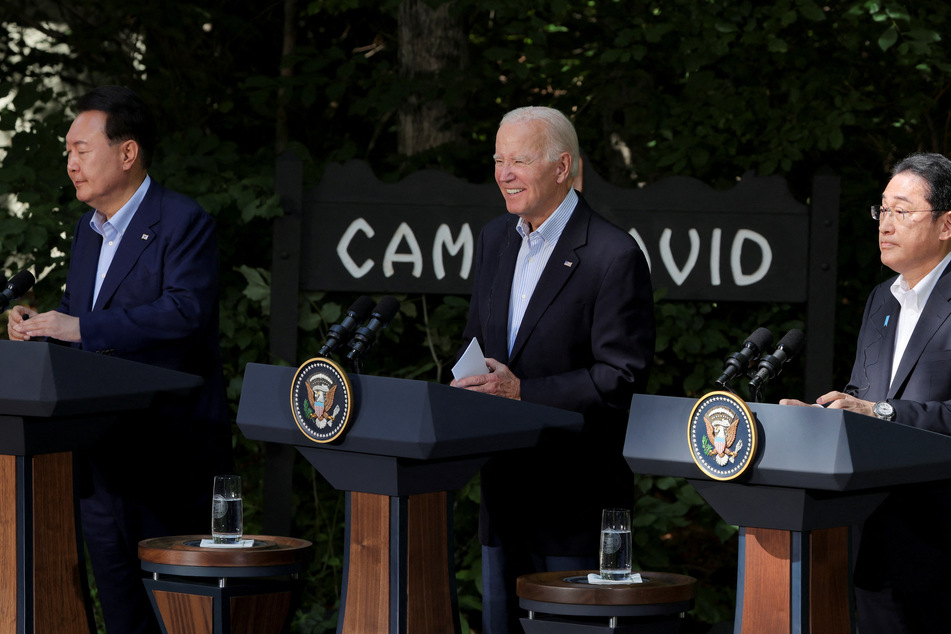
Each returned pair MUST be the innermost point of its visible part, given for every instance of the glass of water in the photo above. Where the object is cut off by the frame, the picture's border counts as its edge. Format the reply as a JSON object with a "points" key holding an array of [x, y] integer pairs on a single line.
{"points": [[227, 512], [615, 544]]}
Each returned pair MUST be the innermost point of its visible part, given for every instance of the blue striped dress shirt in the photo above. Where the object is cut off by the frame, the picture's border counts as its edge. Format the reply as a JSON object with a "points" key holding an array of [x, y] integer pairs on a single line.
{"points": [[532, 257]]}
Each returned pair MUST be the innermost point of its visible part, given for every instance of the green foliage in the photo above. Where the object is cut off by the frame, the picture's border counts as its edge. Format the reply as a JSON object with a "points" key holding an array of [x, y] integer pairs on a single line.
{"points": [[704, 89]]}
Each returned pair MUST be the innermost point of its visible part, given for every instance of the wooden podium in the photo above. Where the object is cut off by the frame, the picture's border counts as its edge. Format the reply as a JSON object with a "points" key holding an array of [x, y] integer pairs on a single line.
{"points": [[816, 472], [54, 399], [408, 443]]}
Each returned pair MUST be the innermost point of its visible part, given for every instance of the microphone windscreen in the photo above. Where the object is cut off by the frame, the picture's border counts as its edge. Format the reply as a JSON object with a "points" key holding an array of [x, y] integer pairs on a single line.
{"points": [[21, 283], [361, 308], [387, 308], [792, 342], [761, 338]]}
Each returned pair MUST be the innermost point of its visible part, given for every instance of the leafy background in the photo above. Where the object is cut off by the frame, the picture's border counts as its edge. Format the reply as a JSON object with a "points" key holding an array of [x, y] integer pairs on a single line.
{"points": [[682, 87]]}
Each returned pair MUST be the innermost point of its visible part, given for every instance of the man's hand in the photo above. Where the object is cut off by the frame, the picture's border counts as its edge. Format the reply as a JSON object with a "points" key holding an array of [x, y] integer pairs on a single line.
{"points": [[52, 324], [837, 400], [499, 381], [16, 315]]}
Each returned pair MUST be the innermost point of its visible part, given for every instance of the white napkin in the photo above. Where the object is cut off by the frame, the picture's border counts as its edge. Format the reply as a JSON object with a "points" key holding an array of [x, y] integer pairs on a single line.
{"points": [[596, 578], [210, 543]]}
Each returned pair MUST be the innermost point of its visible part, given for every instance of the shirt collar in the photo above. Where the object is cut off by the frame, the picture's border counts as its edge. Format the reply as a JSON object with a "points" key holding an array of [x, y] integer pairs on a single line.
{"points": [[551, 229], [121, 219], [916, 297]]}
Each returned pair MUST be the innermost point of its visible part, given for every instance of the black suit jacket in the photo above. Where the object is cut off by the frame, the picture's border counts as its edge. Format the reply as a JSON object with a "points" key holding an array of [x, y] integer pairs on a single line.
{"points": [[905, 541], [585, 344]]}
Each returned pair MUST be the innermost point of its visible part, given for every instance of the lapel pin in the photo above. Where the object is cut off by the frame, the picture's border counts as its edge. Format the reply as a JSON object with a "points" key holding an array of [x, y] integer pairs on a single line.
{"points": [[568, 263], [145, 236], [886, 319]]}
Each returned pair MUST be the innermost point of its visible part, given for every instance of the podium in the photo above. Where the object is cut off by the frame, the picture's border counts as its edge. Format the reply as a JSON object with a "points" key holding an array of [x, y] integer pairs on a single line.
{"points": [[53, 400], [408, 443], [816, 472]]}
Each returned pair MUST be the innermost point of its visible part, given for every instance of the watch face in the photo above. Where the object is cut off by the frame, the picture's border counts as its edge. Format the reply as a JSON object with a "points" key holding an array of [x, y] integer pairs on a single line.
{"points": [[883, 409]]}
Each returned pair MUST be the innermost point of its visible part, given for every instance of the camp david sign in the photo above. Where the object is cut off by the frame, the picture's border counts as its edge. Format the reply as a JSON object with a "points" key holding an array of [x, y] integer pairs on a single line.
{"points": [[419, 234]]}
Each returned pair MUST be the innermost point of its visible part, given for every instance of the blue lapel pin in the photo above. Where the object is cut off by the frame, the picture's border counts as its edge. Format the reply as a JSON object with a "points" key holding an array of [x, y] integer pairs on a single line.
{"points": [[886, 320]]}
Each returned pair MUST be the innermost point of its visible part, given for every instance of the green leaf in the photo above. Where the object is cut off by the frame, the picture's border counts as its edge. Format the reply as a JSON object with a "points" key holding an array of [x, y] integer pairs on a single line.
{"points": [[888, 38]]}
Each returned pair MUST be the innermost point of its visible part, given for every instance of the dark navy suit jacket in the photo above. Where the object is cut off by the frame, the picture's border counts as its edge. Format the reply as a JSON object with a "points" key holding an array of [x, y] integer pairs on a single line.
{"points": [[585, 344], [158, 305], [905, 541]]}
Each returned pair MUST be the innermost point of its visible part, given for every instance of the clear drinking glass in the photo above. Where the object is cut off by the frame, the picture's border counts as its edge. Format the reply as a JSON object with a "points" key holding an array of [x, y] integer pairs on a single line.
{"points": [[227, 512], [615, 544]]}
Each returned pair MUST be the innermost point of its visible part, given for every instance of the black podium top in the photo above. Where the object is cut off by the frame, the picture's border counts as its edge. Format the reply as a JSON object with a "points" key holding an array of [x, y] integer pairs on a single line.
{"points": [[45, 380], [402, 418], [799, 447], [56, 398]]}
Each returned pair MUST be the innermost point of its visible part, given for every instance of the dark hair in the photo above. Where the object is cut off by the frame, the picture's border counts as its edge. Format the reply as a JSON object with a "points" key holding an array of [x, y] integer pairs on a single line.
{"points": [[127, 117], [934, 169]]}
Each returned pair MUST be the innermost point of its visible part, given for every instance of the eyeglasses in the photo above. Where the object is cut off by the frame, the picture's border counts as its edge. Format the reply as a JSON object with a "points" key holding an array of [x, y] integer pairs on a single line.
{"points": [[902, 215]]}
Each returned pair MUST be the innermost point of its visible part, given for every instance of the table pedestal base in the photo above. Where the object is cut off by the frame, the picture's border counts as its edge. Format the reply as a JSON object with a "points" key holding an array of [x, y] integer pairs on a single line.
{"points": [[192, 606], [197, 590]]}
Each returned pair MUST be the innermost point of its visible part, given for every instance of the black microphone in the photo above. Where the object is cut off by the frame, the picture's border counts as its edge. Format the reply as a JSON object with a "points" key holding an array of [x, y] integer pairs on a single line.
{"points": [[363, 338], [772, 364], [18, 284], [740, 362], [340, 333]]}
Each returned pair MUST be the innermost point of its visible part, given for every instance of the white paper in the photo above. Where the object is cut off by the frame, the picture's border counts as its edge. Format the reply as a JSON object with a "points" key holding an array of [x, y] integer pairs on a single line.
{"points": [[471, 363], [598, 579], [210, 543]]}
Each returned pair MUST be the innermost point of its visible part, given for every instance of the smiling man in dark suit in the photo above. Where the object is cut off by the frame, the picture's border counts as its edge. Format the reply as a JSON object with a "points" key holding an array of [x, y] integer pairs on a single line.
{"points": [[563, 309], [902, 372], [142, 285]]}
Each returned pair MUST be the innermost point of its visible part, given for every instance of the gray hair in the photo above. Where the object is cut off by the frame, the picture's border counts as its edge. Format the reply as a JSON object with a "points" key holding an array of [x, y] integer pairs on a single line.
{"points": [[560, 135]]}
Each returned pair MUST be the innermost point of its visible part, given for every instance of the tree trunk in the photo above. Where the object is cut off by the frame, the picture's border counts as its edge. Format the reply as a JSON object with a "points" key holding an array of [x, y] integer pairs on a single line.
{"points": [[432, 43]]}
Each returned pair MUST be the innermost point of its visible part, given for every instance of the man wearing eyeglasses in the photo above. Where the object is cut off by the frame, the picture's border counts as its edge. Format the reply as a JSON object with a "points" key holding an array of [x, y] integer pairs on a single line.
{"points": [[902, 373]]}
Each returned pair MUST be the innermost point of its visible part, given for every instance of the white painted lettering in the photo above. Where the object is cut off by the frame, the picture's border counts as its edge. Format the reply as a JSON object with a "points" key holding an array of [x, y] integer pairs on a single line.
{"points": [[444, 240], [736, 251], [403, 232], [677, 274], [343, 248]]}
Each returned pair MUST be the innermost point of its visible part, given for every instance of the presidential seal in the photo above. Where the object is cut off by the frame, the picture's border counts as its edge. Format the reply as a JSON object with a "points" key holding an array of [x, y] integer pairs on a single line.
{"points": [[722, 435], [320, 399]]}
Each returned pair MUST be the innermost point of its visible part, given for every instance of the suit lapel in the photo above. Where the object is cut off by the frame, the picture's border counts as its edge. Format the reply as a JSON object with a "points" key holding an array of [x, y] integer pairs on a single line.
{"points": [[496, 339], [933, 315], [562, 264], [86, 261], [881, 349], [138, 236]]}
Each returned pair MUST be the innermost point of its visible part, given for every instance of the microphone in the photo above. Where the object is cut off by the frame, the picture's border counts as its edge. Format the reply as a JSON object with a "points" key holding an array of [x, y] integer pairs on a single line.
{"points": [[18, 284], [340, 333], [772, 364], [740, 362], [363, 338]]}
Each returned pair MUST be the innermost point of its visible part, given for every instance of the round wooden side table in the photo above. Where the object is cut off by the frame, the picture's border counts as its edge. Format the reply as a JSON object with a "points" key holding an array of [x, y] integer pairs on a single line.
{"points": [[196, 590], [565, 603]]}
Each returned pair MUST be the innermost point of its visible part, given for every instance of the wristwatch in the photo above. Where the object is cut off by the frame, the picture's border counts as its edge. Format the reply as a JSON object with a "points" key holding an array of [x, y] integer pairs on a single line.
{"points": [[884, 410]]}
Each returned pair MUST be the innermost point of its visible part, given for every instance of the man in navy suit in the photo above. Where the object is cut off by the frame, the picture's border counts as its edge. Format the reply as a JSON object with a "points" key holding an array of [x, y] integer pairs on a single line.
{"points": [[563, 309], [902, 372], [142, 285]]}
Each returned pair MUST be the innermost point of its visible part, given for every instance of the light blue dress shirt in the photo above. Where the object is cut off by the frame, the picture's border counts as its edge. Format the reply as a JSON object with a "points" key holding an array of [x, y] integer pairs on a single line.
{"points": [[112, 231], [532, 257]]}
